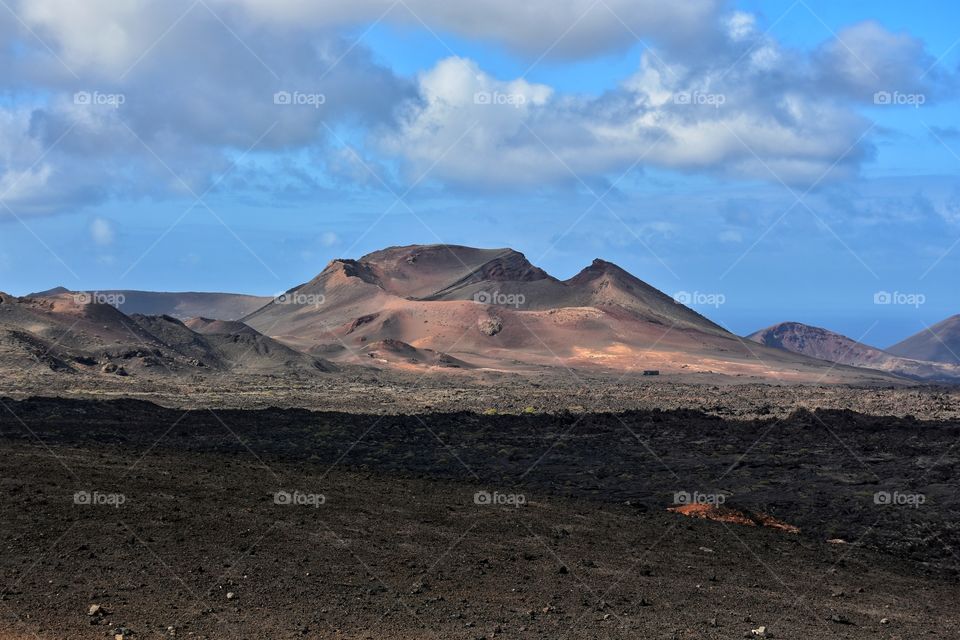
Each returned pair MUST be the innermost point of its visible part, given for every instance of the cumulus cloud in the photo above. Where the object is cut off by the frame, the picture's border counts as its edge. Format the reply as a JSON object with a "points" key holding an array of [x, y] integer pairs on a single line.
{"points": [[730, 236], [561, 29], [102, 232], [741, 123], [866, 58], [469, 127], [151, 98], [752, 109], [148, 98]]}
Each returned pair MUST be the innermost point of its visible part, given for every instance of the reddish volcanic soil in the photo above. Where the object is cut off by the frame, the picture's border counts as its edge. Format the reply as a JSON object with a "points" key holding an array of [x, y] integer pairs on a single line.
{"points": [[720, 513], [492, 309]]}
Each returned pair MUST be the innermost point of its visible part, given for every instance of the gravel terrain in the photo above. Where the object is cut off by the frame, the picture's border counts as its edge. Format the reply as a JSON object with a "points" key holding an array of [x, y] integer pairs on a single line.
{"points": [[358, 390], [290, 523]]}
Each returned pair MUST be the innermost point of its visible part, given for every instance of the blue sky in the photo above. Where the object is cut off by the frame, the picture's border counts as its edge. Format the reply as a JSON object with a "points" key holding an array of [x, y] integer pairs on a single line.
{"points": [[737, 148]]}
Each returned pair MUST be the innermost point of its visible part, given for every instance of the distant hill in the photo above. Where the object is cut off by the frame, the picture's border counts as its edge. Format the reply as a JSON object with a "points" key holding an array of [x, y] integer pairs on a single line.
{"points": [[834, 347], [64, 332], [941, 343], [182, 305], [435, 307]]}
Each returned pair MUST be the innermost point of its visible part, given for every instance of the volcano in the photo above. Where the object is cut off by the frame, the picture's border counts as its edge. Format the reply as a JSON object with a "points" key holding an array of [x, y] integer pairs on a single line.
{"points": [[939, 343], [492, 308], [827, 345]]}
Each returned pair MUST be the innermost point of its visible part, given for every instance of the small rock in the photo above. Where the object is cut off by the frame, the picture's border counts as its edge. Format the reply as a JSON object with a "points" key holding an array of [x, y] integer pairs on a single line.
{"points": [[96, 610], [760, 631], [231, 595], [490, 326], [419, 587], [884, 620]]}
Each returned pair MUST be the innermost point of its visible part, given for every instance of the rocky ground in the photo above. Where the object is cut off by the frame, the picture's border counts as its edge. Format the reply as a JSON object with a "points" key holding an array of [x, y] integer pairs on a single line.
{"points": [[289, 523], [432, 390]]}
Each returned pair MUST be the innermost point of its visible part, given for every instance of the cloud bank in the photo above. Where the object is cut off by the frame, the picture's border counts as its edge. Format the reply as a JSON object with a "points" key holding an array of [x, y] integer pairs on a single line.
{"points": [[148, 99]]}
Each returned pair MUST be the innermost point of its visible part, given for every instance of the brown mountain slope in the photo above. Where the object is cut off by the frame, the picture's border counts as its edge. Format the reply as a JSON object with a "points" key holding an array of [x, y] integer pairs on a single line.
{"points": [[492, 308], [64, 333], [939, 343], [182, 305], [834, 347], [209, 326]]}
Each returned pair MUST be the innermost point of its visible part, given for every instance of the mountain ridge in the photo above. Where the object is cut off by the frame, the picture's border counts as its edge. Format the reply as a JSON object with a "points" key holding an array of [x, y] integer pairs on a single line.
{"points": [[456, 308], [493, 308], [830, 346], [939, 343], [178, 304]]}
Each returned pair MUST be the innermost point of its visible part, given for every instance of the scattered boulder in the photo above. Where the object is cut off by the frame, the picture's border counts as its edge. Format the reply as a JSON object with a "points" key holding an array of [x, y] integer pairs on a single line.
{"points": [[122, 633], [362, 320], [490, 325]]}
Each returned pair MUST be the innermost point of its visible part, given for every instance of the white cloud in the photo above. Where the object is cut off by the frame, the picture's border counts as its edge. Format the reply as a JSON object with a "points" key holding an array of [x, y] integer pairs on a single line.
{"points": [[102, 232], [99, 33], [673, 117], [468, 126], [198, 94], [23, 175], [191, 102], [550, 28], [865, 58], [109, 36], [740, 25], [21, 185], [730, 236]]}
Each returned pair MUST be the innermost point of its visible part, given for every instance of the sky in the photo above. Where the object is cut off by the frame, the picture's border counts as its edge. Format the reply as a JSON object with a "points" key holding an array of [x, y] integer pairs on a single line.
{"points": [[768, 161]]}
